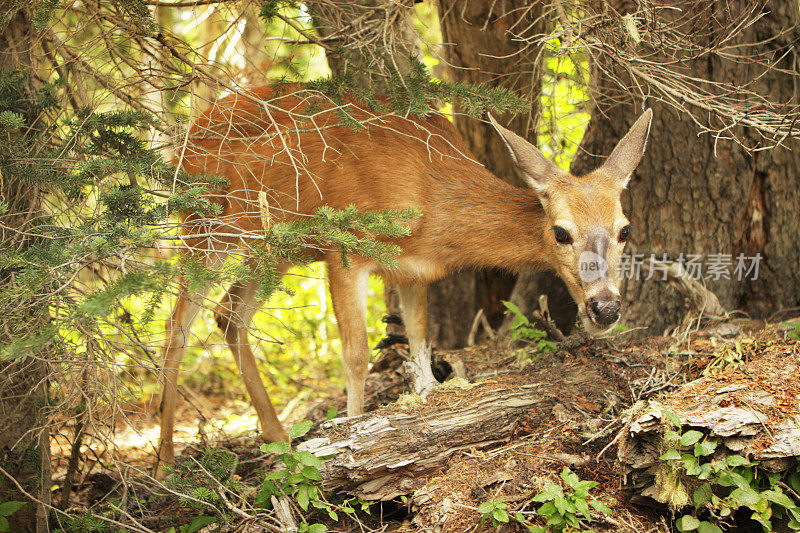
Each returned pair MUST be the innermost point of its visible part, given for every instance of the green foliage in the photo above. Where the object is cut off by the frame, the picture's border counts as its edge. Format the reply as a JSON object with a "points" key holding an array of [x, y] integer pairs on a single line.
{"points": [[270, 8], [568, 507], [416, 93], [6, 510], [522, 329], [82, 523], [795, 333], [201, 480], [494, 511], [299, 479], [722, 484]]}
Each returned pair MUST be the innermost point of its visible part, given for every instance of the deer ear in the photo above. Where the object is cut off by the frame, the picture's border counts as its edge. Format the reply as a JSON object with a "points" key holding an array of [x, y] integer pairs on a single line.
{"points": [[535, 168], [629, 151]]}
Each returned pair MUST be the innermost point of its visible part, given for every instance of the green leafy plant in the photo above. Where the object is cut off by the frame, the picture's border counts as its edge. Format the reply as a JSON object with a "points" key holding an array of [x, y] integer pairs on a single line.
{"points": [[522, 329], [494, 511], [299, 479], [724, 484], [568, 507], [795, 333], [6, 510]]}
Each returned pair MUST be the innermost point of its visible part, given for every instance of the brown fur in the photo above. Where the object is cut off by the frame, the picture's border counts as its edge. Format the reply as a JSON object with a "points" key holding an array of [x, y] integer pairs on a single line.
{"points": [[469, 218]]}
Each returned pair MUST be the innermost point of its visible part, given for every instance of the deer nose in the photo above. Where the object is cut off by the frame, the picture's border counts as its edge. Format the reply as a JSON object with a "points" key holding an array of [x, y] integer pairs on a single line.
{"points": [[605, 312]]}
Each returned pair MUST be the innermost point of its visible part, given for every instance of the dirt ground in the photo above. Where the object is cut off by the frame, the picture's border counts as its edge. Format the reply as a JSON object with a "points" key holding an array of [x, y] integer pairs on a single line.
{"points": [[586, 389]]}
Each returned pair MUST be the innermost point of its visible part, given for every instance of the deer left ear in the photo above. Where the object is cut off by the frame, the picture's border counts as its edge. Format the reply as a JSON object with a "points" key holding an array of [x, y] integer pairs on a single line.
{"points": [[537, 171], [629, 151]]}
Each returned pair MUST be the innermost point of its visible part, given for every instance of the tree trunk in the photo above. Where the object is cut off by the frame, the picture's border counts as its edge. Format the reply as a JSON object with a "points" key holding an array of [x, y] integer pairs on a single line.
{"points": [[479, 47], [24, 432], [697, 194]]}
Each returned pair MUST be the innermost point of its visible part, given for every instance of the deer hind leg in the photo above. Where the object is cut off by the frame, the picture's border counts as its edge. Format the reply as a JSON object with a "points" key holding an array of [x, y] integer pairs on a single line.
{"points": [[348, 289], [234, 315], [414, 307], [177, 328]]}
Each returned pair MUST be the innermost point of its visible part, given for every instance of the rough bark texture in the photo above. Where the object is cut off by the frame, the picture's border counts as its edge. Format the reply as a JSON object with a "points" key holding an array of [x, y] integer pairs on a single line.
{"points": [[385, 456], [24, 434], [693, 194], [480, 49]]}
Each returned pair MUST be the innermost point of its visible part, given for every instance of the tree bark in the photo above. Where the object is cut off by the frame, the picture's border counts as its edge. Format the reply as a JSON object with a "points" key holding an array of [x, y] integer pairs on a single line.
{"points": [[24, 430], [696, 194], [480, 49]]}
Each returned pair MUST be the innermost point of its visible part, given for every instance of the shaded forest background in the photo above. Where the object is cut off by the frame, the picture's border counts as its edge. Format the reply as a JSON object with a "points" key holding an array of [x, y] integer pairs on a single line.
{"points": [[95, 99]]}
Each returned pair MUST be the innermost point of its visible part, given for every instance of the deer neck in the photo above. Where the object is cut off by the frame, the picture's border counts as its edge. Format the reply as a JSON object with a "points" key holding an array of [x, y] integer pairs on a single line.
{"points": [[495, 225]]}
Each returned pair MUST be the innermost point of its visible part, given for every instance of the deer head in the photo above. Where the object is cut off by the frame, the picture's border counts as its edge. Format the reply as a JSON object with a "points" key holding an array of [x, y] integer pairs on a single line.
{"points": [[586, 229]]}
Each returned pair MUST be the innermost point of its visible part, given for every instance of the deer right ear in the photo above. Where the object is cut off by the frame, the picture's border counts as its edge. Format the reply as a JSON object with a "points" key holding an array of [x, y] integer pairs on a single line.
{"points": [[535, 168]]}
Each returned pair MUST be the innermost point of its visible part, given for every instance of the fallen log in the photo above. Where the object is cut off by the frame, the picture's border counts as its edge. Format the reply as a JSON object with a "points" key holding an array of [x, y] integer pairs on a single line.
{"points": [[393, 452], [385, 455]]}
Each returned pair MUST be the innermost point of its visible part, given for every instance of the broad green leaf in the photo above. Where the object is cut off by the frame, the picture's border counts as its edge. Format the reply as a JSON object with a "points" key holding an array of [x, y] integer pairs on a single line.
{"points": [[569, 477], [600, 506], [701, 495], [672, 435], [485, 507], [671, 417], [276, 447], [687, 523], [330, 414], [706, 447], [582, 506], [311, 472], [500, 515], [691, 464], [745, 496], [9, 508], [671, 455], [302, 497], [199, 523], [794, 481], [778, 497], [736, 460], [300, 429], [561, 505], [294, 478], [547, 509], [708, 527], [317, 528], [5, 527], [308, 458], [690, 437]]}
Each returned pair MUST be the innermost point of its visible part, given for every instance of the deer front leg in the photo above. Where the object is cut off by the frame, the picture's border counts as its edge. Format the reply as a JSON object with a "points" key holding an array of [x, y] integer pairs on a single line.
{"points": [[234, 315], [348, 289], [414, 307]]}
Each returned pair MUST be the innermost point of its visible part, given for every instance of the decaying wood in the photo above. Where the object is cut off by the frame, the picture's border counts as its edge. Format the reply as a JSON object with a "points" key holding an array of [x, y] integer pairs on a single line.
{"points": [[395, 451], [383, 456], [752, 411]]}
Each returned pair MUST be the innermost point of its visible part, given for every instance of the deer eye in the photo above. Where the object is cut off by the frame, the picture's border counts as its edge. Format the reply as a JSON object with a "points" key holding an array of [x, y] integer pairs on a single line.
{"points": [[562, 235], [625, 232]]}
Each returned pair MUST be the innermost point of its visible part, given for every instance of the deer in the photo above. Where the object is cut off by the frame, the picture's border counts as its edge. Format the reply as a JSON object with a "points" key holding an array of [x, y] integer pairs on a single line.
{"points": [[469, 218]]}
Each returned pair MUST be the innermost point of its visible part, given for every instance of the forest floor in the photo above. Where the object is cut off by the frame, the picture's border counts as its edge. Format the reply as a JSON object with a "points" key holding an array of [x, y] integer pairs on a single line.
{"points": [[581, 400]]}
